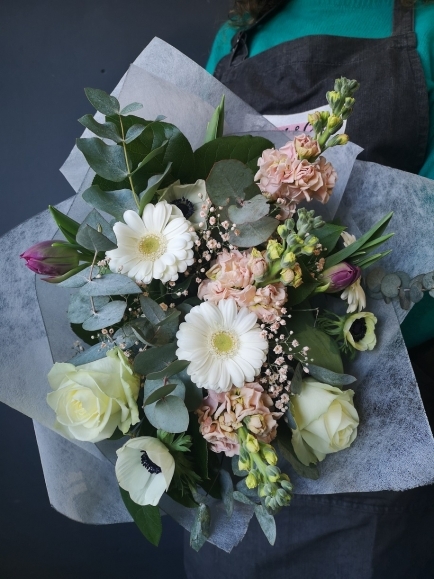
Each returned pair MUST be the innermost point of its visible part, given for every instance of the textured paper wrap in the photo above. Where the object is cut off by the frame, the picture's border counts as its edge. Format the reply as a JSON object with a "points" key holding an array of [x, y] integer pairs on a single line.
{"points": [[394, 449]]}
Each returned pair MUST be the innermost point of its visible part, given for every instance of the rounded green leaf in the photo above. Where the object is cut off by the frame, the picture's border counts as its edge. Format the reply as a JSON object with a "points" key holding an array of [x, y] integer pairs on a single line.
{"points": [[107, 316], [390, 285], [169, 414], [159, 393]]}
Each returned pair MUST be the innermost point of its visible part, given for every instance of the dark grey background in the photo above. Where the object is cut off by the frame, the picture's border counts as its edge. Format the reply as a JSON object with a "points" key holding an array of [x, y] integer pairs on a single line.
{"points": [[51, 50]]}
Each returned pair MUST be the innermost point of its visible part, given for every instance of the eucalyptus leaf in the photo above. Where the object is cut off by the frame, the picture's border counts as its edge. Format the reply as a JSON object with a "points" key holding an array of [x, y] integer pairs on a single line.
{"points": [[235, 469], [169, 414], [93, 240], [240, 497], [154, 359], [289, 415], [252, 234], [297, 380], [159, 393], [110, 284], [107, 316], [80, 307], [267, 523], [134, 132], [227, 491], [173, 368], [428, 280], [151, 310], [150, 156], [374, 279], [227, 181], [193, 394], [249, 211], [152, 386], [390, 285], [200, 529], [81, 278], [153, 186], [131, 108], [103, 130], [404, 299], [95, 220], [146, 517], [95, 352], [106, 160], [327, 377], [416, 293], [113, 202], [103, 102]]}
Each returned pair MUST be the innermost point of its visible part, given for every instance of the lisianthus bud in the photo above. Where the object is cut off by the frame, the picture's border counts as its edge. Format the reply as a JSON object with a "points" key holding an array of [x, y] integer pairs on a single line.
{"points": [[340, 276], [51, 258], [251, 481]]}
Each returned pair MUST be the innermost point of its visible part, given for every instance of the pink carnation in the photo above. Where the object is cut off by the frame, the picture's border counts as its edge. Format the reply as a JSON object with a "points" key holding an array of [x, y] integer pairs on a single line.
{"points": [[221, 415], [306, 147]]}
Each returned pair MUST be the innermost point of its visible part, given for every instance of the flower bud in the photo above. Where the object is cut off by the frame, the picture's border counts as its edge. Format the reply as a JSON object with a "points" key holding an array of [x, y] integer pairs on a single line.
{"points": [[340, 276], [286, 485], [274, 249], [243, 465], [334, 123], [282, 498], [287, 276], [273, 473], [51, 258], [289, 259], [269, 454], [251, 481], [252, 444], [298, 279], [283, 231], [338, 140]]}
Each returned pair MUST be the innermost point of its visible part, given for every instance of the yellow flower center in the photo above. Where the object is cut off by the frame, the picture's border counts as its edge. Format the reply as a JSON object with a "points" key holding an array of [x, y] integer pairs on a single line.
{"points": [[152, 246], [224, 344]]}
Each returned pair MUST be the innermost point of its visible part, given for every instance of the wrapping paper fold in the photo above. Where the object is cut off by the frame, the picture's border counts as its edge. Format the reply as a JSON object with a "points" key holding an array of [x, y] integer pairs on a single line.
{"points": [[395, 447]]}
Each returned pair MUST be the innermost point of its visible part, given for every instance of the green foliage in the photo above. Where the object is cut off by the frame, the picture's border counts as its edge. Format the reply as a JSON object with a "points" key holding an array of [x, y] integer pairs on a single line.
{"points": [[80, 307], [250, 210], [246, 149], [113, 202], [322, 348], [107, 316], [389, 286], [95, 352], [215, 127], [67, 226], [159, 393], [154, 359], [200, 530], [227, 490], [146, 517], [287, 451], [253, 234], [103, 102], [328, 235], [169, 412], [103, 130], [297, 380], [327, 377], [110, 284], [108, 161], [173, 368], [267, 523], [226, 182], [199, 449]]}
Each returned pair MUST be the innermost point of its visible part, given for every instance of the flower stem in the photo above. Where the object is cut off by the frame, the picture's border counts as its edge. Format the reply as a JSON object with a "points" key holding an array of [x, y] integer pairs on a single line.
{"points": [[130, 178]]}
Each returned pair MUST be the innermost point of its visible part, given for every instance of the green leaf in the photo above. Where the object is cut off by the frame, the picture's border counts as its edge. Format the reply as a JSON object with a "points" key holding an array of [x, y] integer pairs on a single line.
{"points": [[96, 352], [169, 370], [226, 182], [146, 517], [297, 379], [152, 386], [252, 234], [193, 394], [240, 497], [267, 523], [97, 222], [93, 240], [103, 102], [374, 278], [249, 211], [154, 359], [131, 108], [80, 307], [80, 278], [328, 235], [113, 202], [152, 310], [289, 414], [110, 284], [107, 316], [106, 160], [134, 132], [227, 491], [200, 530], [152, 187], [390, 285], [322, 348], [246, 149], [199, 448], [159, 393], [67, 226], [287, 451], [374, 233], [235, 469], [300, 294], [169, 414], [327, 377], [150, 156], [215, 127], [103, 130]]}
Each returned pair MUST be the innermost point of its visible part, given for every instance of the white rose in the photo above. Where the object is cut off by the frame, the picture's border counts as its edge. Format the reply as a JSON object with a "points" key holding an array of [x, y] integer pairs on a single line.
{"points": [[145, 469], [91, 400], [326, 420]]}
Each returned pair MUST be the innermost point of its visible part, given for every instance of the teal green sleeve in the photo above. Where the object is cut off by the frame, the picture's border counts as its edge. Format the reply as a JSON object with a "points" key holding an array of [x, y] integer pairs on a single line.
{"points": [[221, 46]]}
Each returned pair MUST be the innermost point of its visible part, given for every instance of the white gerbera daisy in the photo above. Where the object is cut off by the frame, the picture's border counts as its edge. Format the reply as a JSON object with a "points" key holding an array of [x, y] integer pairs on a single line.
{"points": [[157, 245], [224, 346], [145, 469]]}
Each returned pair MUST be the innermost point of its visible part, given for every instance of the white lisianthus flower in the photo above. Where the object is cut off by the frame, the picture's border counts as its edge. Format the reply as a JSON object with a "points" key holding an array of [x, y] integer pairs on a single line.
{"points": [[145, 469], [223, 344], [157, 245], [92, 400], [355, 296], [192, 200], [359, 331], [326, 420]]}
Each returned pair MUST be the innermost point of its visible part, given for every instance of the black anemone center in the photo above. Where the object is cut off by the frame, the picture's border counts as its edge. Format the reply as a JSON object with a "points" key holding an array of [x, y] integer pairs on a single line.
{"points": [[358, 329], [185, 205], [150, 466]]}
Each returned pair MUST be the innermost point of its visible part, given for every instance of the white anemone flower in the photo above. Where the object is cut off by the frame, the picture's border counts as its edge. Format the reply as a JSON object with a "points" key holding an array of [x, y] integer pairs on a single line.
{"points": [[157, 245], [145, 469], [354, 294], [191, 200], [223, 344]]}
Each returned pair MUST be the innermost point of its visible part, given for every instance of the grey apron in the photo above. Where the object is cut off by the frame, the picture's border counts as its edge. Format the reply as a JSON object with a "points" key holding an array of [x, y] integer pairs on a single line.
{"points": [[357, 535]]}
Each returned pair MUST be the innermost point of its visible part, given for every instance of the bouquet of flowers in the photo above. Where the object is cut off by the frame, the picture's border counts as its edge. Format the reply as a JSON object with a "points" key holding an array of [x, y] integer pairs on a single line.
{"points": [[215, 311]]}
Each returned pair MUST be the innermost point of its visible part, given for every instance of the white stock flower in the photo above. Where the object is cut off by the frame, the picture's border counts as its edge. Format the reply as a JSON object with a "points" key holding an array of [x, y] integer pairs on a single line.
{"points": [[145, 469], [347, 238], [157, 245], [355, 296], [224, 346], [326, 420], [91, 400], [189, 199]]}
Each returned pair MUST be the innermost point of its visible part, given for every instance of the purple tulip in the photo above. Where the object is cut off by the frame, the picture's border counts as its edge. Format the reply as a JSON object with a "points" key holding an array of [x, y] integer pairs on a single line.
{"points": [[340, 276], [52, 260]]}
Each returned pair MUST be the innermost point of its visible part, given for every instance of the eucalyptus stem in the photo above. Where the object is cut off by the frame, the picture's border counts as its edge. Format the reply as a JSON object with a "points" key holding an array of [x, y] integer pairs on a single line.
{"points": [[136, 198], [92, 303]]}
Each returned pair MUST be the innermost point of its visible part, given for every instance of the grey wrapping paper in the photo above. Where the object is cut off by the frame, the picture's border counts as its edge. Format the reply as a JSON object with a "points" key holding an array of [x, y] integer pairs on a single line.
{"points": [[394, 449]]}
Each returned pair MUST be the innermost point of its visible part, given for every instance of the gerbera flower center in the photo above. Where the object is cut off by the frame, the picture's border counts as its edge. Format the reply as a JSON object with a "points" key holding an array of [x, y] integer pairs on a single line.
{"points": [[152, 246], [224, 343], [150, 466], [358, 329]]}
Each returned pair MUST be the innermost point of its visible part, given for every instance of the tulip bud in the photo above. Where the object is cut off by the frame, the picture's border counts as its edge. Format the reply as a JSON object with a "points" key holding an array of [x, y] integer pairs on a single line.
{"points": [[251, 481], [52, 258], [340, 276]]}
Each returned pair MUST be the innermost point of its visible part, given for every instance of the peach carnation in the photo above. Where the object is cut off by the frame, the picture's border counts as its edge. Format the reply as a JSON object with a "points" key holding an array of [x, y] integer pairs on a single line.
{"points": [[221, 415]]}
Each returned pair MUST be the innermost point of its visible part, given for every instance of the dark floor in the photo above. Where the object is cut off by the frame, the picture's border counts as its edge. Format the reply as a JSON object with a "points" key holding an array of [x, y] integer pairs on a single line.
{"points": [[50, 51]]}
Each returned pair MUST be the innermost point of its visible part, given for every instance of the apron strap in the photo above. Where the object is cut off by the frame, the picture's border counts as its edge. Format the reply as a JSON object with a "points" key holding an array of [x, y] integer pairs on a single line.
{"points": [[240, 50], [403, 18]]}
